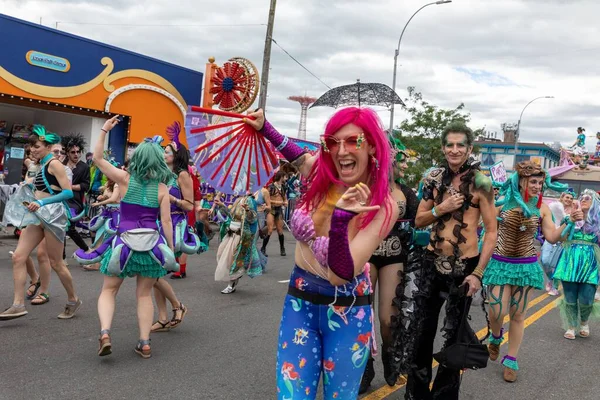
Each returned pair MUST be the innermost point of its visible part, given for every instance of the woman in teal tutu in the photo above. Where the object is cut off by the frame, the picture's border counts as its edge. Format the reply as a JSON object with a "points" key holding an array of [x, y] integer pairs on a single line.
{"points": [[514, 269], [577, 267]]}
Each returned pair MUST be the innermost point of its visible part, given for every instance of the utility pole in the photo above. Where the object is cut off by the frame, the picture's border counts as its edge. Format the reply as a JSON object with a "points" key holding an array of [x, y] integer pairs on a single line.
{"points": [[262, 100]]}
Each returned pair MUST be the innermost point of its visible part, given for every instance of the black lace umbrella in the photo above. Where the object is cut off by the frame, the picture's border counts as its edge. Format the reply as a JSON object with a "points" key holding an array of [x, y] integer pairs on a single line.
{"points": [[375, 94]]}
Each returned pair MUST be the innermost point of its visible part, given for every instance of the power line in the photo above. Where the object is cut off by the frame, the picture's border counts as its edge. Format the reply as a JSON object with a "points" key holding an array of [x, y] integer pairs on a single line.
{"points": [[155, 25], [299, 63]]}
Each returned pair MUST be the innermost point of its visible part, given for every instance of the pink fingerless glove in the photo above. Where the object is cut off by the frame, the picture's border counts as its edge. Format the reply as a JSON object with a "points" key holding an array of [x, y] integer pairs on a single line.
{"points": [[290, 150], [339, 257]]}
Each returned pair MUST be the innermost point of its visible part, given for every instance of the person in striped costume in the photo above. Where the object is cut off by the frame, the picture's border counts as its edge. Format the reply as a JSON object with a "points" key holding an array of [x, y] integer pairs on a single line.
{"points": [[514, 269]]}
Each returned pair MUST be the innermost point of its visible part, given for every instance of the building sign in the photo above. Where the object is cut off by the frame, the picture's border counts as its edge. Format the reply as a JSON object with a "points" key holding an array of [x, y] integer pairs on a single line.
{"points": [[44, 60]]}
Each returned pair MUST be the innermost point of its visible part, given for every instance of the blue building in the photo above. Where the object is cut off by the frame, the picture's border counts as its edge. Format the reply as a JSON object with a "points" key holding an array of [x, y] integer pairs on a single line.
{"points": [[72, 84], [493, 151]]}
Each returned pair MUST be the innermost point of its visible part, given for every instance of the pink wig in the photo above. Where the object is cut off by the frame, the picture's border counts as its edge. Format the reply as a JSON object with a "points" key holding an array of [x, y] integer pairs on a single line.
{"points": [[324, 173]]}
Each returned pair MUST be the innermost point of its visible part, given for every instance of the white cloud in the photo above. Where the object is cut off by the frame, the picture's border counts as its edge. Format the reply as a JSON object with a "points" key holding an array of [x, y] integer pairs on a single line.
{"points": [[531, 47]]}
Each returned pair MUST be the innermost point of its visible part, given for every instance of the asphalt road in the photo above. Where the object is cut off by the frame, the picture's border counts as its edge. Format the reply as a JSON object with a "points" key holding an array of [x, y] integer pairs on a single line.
{"points": [[225, 349]]}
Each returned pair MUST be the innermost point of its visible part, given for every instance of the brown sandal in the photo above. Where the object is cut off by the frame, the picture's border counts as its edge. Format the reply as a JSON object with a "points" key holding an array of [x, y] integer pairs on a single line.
{"points": [[162, 326], [105, 344], [175, 322], [144, 353], [40, 299]]}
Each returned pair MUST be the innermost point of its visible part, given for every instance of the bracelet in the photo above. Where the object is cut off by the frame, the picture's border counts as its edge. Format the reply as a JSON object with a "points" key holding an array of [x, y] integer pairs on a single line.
{"points": [[435, 214], [478, 272], [103, 130]]}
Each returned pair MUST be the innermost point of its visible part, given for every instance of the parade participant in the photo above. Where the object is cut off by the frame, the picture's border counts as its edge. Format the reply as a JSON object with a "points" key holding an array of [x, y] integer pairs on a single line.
{"points": [[181, 194], [106, 223], [339, 221], [514, 269], [45, 216], [551, 252], [578, 147], [577, 268], [193, 218], [138, 249], [388, 260], [455, 197], [80, 183], [238, 254], [275, 216]]}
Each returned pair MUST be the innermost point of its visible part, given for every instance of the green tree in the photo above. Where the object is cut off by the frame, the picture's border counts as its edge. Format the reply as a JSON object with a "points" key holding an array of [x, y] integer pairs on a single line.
{"points": [[421, 132]]}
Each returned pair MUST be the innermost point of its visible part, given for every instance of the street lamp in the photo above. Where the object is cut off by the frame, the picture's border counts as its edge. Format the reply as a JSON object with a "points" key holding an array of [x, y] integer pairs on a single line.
{"points": [[435, 3], [519, 123]]}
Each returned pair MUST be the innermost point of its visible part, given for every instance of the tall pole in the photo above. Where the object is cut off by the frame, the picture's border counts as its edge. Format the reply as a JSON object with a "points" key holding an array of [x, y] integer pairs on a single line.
{"points": [[397, 52], [519, 123], [262, 100]]}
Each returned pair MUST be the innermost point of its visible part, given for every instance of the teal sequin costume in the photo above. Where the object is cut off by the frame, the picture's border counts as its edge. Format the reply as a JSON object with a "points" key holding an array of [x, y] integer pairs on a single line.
{"points": [[579, 260]]}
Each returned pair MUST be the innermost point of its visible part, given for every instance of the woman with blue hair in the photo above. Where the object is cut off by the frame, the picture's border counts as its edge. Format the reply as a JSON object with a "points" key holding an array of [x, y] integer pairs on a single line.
{"points": [[514, 269], [577, 267]]}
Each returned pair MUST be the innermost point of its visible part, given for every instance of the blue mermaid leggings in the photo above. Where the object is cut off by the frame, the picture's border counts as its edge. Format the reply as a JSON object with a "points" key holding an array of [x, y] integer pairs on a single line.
{"points": [[315, 339]]}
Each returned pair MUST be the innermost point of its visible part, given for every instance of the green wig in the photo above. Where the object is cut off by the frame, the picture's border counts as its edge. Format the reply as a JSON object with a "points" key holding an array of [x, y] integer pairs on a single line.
{"points": [[45, 136], [148, 163], [398, 149]]}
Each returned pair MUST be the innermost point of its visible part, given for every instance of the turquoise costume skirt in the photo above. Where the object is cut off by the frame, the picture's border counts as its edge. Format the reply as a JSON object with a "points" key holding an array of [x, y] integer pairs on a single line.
{"points": [[578, 263], [521, 271], [139, 263]]}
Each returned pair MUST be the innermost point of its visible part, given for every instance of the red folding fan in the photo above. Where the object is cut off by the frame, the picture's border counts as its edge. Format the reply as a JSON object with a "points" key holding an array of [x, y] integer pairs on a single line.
{"points": [[231, 155]]}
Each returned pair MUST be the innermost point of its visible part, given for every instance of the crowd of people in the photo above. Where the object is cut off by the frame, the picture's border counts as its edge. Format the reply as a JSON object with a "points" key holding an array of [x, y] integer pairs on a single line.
{"points": [[358, 228]]}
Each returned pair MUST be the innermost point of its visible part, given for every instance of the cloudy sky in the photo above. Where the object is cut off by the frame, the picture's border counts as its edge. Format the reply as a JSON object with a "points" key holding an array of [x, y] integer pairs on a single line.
{"points": [[494, 56]]}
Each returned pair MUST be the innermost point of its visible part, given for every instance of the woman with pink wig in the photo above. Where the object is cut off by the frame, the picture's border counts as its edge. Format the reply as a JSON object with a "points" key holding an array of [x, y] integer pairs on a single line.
{"points": [[342, 216]]}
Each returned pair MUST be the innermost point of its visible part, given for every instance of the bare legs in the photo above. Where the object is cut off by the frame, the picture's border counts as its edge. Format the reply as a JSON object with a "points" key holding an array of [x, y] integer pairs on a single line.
{"points": [[29, 239], [162, 292], [145, 308]]}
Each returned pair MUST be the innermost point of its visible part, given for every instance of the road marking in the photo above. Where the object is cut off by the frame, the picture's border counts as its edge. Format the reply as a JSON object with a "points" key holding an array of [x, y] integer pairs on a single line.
{"points": [[288, 281], [387, 390]]}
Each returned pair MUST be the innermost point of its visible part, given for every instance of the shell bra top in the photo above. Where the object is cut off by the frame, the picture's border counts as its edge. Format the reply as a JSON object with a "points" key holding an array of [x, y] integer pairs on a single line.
{"points": [[516, 234], [140, 207], [302, 225]]}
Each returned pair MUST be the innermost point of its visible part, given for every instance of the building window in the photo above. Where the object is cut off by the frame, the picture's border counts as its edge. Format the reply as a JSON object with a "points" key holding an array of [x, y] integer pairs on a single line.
{"points": [[488, 159], [520, 158]]}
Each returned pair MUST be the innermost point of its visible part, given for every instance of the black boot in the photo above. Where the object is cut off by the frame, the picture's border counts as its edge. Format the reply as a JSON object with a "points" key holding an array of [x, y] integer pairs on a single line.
{"points": [[282, 245], [263, 249], [388, 374], [367, 377]]}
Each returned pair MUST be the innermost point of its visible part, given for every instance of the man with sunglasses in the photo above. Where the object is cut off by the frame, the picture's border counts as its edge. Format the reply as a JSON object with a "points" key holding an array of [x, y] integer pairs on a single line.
{"points": [[74, 145]]}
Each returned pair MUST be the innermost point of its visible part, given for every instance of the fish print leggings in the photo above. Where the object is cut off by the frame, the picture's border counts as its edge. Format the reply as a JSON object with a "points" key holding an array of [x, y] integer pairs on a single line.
{"points": [[316, 337]]}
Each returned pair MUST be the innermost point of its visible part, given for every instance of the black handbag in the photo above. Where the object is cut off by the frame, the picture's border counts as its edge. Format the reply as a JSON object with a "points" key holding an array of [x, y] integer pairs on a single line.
{"points": [[468, 352]]}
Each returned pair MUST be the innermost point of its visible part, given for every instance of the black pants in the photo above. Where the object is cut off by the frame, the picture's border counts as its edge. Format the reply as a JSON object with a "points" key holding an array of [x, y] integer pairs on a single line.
{"points": [[77, 239], [441, 289]]}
